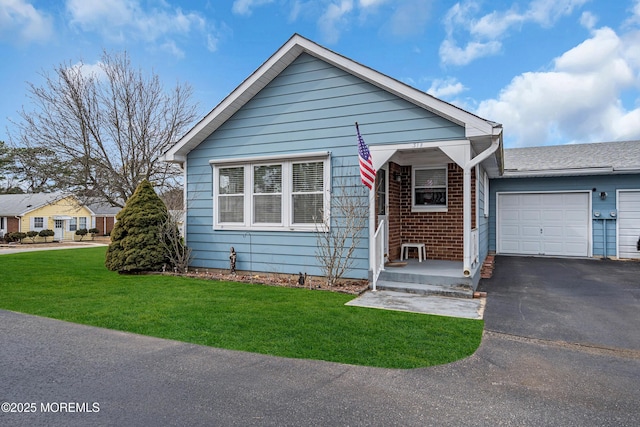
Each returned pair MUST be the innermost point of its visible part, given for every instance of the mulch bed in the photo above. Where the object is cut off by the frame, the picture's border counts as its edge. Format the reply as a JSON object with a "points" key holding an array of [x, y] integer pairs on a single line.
{"points": [[353, 287]]}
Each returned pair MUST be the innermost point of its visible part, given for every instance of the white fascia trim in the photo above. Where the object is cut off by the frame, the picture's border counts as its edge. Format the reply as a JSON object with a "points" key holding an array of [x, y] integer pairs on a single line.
{"points": [[557, 172], [274, 157]]}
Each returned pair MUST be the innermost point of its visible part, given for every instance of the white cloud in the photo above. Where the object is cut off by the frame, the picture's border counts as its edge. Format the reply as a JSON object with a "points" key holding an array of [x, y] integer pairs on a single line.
{"points": [[244, 7], [172, 48], [371, 3], [95, 70], [409, 17], [452, 54], [124, 20], [588, 20], [334, 19], [634, 19], [483, 34], [547, 12], [445, 88], [21, 23], [578, 100]]}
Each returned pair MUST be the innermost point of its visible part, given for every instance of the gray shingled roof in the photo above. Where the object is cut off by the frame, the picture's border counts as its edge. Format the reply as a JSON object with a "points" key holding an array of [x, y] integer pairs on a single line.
{"points": [[573, 159], [102, 208], [20, 204]]}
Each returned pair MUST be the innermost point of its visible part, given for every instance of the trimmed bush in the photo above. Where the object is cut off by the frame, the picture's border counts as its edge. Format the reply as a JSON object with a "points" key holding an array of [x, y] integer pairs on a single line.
{"points": [[93, 232], [32, 235], [46, 233], [135, 238], [82, 232], [18, 236]]}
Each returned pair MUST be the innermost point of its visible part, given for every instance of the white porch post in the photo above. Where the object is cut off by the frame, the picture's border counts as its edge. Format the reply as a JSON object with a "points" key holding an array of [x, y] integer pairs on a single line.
{"points": [[461, 155], [372, 230], [466, 220], [379, 156]]}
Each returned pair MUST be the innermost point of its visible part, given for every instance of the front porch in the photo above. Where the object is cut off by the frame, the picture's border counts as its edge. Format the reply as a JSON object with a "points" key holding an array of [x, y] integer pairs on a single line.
{"points": [[429, 277]]}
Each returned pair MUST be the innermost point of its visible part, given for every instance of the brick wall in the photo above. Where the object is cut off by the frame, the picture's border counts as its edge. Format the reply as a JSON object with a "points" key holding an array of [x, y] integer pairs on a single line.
{"points": [[104, 225], [13, 225], [440, 231]]}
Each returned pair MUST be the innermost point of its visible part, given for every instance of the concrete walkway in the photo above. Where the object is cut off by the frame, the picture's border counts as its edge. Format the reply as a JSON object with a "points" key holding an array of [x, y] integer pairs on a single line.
{"points": [[29, 247], [427, 304]]}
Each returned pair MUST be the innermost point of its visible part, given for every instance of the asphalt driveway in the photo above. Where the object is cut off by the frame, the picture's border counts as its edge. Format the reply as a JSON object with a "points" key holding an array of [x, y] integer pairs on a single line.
{"points": [[586, 301], [537, 366]]}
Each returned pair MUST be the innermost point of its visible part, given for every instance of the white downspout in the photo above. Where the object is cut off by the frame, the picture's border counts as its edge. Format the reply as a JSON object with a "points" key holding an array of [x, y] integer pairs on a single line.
{"points": [[466, 210]]}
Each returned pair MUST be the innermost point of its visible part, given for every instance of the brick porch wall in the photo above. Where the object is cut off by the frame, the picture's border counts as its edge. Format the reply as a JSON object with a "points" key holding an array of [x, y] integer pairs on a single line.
{"points": [[440, 231], [395, 212]]}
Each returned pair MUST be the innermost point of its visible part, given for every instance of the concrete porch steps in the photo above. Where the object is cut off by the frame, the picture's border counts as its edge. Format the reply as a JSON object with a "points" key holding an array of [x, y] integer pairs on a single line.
{"points": [[459, 291]]}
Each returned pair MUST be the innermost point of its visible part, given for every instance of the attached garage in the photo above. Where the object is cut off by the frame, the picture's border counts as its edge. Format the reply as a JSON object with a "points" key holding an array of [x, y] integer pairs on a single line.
{"points": [[628, 224], [552, 224]]}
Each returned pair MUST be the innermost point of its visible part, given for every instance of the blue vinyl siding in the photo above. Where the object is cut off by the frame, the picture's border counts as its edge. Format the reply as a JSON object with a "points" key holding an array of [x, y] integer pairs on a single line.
{"points": [[310, 106], [606, 183]]}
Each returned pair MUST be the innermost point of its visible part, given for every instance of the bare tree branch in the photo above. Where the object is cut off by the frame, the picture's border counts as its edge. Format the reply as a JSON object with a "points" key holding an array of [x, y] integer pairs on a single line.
{"points": [[109, 127]]}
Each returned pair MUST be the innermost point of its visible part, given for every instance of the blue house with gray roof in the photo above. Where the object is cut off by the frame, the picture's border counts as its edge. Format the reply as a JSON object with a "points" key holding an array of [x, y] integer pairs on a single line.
{"points": [[267, 168]]}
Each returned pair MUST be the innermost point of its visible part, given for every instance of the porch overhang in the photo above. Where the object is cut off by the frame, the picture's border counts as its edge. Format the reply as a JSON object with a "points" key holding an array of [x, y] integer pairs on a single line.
{"points": [[460, 152]]}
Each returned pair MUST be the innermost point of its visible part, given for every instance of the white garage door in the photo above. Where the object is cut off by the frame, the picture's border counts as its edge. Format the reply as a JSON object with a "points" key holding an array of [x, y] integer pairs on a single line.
{"points": [[543, 224], [628, 224]]}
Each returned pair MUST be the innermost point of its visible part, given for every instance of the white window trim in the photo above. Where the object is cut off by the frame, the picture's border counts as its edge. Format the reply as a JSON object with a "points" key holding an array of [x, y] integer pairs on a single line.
{"points": [[33, 223], [422, 208], [287, 162]]}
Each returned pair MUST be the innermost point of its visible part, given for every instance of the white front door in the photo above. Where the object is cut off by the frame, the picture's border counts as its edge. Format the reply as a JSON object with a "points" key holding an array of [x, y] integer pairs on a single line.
{"points": [[543, 224], [58, 229]]}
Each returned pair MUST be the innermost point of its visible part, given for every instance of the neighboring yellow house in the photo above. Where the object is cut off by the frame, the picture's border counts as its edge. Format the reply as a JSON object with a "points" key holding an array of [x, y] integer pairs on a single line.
{"points": [[62, 213]]}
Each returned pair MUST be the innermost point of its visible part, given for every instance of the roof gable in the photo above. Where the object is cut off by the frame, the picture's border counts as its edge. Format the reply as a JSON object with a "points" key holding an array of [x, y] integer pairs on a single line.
{"points": [[281, 59]]}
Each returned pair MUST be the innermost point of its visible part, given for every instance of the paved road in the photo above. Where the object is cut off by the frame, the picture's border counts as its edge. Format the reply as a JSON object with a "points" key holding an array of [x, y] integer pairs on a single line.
{"points": [[522, 374]]}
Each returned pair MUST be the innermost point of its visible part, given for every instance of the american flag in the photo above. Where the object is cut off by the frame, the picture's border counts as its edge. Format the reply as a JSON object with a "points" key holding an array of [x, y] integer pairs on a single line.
{"points": [[367, 172]]}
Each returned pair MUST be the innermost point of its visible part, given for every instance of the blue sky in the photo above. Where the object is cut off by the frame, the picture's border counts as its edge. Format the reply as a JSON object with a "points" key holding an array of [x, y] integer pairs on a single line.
{"points": [[551, 71]]}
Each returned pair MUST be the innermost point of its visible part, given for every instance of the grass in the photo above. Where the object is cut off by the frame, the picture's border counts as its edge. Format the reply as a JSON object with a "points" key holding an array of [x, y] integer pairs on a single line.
{"points": [[73, 285]]}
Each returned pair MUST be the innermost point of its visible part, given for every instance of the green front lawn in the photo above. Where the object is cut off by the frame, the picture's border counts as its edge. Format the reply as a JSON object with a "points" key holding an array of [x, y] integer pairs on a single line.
{"points": [[74, 285]]}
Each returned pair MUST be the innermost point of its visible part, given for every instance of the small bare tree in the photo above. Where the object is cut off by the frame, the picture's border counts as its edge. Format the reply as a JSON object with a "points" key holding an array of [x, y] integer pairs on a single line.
{"points": [[335, 245], [172, 241]]}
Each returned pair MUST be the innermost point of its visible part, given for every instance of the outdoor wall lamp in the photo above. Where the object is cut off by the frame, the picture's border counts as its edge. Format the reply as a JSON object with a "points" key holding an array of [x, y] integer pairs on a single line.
{"points": [[603, 195], [397, 177]]}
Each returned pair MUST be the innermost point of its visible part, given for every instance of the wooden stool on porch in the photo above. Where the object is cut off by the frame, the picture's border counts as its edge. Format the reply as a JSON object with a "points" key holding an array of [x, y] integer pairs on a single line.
{"points": [[422, 251]]}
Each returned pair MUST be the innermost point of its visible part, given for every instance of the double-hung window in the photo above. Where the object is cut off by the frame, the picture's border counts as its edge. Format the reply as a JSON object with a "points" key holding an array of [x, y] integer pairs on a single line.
{"points": [[265, 194], [230, 202], [307, 195], [73, 224], [38, 223], [429, 192]]}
